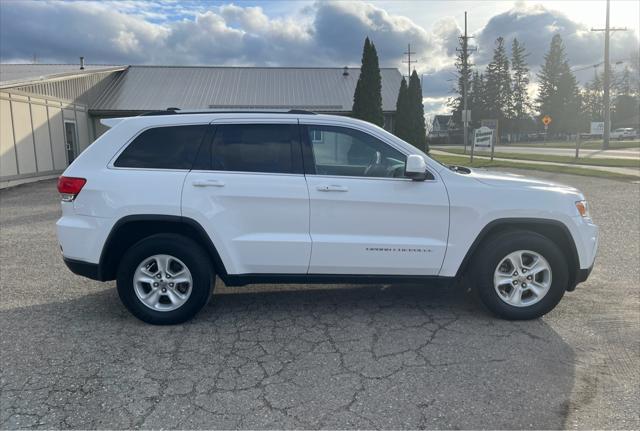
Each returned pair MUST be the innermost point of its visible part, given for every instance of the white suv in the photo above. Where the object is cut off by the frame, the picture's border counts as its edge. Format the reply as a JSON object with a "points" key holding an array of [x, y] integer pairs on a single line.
{"points": [[624, 133], [164, 203]]}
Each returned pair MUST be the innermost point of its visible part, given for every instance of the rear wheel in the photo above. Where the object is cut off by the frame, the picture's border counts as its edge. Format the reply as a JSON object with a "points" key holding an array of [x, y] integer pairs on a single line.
{"points": [[520, 275], [165, 279]]}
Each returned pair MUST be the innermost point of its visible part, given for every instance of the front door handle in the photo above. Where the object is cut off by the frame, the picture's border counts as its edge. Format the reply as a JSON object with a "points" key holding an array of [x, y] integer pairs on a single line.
{"points": [[332, 188], [208, 183]]}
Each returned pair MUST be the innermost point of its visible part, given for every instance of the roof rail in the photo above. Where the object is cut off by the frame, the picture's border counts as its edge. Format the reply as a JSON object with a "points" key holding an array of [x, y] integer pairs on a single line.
{"points": [[171, 111], [152, 113]]}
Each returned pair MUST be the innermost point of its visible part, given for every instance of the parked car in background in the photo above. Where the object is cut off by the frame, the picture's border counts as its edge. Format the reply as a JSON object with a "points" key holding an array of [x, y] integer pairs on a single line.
{"points": [[164, 203], [624, 133]]}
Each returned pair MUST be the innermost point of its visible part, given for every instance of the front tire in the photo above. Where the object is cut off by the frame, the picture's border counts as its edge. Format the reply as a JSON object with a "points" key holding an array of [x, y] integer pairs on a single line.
{"points": [[520, 275], [165, 279]]}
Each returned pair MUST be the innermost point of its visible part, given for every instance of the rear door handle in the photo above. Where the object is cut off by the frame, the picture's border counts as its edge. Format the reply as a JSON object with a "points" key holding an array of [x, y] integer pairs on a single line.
{"points": [[208, 183], [332, 188]]}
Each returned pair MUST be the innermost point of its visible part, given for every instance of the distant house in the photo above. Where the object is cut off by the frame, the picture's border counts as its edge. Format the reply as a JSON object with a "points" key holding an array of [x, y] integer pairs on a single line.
{"points": [[51, 112], [441, 126]]}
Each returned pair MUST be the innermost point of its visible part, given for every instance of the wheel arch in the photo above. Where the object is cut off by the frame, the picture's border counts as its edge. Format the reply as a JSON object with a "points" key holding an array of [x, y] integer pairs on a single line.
{"points": [[133, 228], [553, 230]]}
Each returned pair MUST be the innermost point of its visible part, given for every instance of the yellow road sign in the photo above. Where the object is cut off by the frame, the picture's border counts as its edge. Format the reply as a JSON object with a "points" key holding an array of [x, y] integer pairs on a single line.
{"points": [[546, 120]]}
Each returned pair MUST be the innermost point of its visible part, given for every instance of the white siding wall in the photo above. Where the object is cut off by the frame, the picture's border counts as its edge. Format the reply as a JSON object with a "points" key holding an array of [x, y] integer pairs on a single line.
{"points": [[40, 122], [32, 135], [57, 135], [24, 137], [8, 166]]}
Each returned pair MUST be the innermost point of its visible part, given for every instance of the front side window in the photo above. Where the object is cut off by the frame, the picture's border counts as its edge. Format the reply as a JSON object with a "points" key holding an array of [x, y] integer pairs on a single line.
{"points": [[268, 148], [349, 152], [171, 147]]}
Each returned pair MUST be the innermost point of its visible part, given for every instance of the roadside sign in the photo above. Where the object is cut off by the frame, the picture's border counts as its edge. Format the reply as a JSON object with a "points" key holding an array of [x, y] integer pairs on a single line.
{"points": [[546, 120], [486, 142], [466, 116], [597, 128], [483, 138]]}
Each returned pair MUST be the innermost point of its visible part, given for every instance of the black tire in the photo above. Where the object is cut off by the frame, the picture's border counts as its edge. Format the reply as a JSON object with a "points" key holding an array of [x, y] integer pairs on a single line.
{"points": [[185, 249], [491, 253]]}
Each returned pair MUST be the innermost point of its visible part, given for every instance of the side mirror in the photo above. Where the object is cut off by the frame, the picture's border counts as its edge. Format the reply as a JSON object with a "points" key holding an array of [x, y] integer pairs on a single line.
{"points": [[415, 168]]}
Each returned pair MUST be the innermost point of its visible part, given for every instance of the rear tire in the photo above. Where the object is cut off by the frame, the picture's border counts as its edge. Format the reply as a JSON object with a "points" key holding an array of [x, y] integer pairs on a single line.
{"points": [[165, 279], [520, 275]]}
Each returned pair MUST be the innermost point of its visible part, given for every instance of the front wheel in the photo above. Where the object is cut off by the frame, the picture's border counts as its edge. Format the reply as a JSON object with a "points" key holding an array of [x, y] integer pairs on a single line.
{"points": [[520, 275], [165, 279]]}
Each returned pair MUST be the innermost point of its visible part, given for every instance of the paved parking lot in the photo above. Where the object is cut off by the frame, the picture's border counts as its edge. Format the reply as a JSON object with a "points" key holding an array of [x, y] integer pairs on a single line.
{"points": [[352, 357]]}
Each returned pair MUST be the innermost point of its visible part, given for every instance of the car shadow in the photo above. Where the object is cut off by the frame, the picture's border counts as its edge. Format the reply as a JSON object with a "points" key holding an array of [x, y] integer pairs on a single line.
{"points": [[409, 356]]}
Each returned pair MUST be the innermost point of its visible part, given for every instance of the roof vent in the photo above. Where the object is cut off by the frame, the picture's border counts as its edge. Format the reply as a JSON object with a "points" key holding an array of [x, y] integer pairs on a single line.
{"points": [[81, 63], [345, 71]]}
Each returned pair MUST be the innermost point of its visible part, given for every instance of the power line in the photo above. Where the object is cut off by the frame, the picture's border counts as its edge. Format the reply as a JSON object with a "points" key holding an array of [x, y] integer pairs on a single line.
{"points": [[607, 72], [409, 61], [465, 80]]}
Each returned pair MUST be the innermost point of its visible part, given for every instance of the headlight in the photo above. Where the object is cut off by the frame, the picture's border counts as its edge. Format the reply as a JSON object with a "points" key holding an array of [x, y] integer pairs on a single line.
{"points": [[583, 209]]}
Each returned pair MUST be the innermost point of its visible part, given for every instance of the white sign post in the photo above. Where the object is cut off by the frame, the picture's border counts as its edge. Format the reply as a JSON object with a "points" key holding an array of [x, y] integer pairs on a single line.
{"points": [[597, 128], [482, 140]]}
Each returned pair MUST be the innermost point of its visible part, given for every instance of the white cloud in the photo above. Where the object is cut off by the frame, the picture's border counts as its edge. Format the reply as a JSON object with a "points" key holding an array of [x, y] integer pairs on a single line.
{"points": [[316, 34]]}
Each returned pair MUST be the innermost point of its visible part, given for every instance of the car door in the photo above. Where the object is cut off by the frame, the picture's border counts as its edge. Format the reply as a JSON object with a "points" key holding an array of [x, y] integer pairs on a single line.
{"points": [[366, 217], [248, 191]]}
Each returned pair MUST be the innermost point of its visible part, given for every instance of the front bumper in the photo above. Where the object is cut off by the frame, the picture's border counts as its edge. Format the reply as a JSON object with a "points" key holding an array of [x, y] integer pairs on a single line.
{"points": [[583, 274], [84, 269]]}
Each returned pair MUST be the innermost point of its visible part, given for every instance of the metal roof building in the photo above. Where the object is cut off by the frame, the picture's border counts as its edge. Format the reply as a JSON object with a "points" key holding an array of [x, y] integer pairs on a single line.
{"points": [[50, 112], [314, 89]]}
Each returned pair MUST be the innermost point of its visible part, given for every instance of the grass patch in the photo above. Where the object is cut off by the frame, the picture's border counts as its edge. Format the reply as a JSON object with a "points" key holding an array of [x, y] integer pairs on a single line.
{"points": [[571, 170], [618, 163], [588, 145]]}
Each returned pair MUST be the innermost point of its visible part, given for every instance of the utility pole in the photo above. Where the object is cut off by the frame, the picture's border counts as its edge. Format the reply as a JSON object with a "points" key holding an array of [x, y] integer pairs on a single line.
{"points": [[607, 79], [465, 82], [409, 61]]}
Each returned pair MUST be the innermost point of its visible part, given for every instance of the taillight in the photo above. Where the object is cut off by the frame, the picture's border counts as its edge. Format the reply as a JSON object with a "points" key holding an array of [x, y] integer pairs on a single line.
{"points": [[69, 187]]}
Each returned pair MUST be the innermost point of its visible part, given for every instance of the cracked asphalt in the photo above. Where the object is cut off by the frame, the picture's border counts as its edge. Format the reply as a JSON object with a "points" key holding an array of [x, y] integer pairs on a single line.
{"points": [[316, 356]]}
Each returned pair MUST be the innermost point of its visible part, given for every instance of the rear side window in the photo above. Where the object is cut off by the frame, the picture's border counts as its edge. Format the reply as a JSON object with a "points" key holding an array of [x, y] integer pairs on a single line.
{"points": [[269, 148], [172, 147]]}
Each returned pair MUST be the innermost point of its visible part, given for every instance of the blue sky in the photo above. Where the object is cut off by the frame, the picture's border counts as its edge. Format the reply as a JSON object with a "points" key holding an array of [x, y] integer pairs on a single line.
{"points": [[308, 33]]}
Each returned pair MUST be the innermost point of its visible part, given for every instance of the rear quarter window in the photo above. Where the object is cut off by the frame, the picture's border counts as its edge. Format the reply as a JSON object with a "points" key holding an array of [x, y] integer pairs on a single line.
{"points": [[169, 147]]}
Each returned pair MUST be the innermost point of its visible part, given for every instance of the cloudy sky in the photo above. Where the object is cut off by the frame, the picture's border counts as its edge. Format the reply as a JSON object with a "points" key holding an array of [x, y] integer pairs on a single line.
{"points": [[308, 33]]}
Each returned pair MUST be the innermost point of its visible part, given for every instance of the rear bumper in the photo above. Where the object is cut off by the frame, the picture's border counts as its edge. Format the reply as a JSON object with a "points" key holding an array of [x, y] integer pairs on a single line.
{"points": [[85, 269]]}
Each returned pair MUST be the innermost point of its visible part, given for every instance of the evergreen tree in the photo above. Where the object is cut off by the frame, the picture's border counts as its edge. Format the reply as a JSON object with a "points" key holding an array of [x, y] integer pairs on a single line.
{"points": [[558, 96], [592, 98], [626, 106], [476, 101], [367, 99], [623, 84], [498, 83], [520, 103], [626, 111], [401, 126], [417, 130], [457, 103]]}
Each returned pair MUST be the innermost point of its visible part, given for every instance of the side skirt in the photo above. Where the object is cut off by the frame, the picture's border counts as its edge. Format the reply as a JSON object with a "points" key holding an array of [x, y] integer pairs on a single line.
{"points": [[244, 279]]}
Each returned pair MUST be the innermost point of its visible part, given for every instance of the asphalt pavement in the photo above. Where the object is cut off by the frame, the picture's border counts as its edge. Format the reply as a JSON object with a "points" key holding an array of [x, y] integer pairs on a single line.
{"points": [[307, 357]]}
